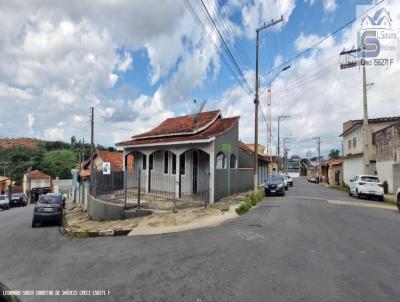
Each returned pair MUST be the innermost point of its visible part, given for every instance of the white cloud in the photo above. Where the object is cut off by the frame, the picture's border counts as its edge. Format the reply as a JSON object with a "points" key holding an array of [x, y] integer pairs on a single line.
{"points": [[31, 120], [302, 42], [330, 5], [255, 13], [54, 133]]}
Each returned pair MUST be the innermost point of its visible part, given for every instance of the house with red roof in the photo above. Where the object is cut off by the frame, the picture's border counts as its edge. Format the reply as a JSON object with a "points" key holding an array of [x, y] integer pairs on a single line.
{"points": [[193, 156], [99, 157], [36, 183]]}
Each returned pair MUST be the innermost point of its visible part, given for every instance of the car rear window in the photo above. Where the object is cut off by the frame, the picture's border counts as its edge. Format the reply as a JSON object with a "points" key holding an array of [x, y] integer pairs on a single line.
{"points": [[2, 197], [369, 179], [49, 199]]}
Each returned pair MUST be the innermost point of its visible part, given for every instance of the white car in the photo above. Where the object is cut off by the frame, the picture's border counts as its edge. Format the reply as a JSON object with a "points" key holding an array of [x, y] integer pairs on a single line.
{"points": [[289, 180], [366, 185], [4, 202], [398, 198]]}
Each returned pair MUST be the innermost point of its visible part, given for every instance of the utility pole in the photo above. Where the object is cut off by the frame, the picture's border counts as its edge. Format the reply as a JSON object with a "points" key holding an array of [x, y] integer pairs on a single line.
{"points": [[91, 144], [256, 101], [280, 117], [350, 62], [318, 140]]}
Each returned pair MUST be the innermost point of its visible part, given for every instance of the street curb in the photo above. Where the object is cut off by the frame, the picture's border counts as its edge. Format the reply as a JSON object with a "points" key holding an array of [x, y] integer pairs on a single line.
{"points": [[98, 233]]}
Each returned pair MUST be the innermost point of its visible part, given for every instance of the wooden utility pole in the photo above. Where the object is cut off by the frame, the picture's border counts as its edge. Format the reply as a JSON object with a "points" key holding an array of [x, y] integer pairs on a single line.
{"points": [[350, 62], [256, 101]]}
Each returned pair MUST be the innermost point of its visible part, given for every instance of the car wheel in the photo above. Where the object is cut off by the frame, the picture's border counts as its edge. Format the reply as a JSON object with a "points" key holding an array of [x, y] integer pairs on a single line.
{"points": [[357, 195], [398, 202], [33, 223]]}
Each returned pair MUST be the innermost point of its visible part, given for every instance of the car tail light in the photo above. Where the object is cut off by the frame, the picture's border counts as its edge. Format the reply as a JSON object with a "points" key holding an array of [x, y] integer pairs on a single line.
{"points": [[361, 183], [37, 210]]}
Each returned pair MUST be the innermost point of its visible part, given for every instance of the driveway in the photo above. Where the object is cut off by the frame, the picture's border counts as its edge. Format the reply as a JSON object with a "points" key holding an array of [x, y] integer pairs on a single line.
{"points": [[296, 248]]}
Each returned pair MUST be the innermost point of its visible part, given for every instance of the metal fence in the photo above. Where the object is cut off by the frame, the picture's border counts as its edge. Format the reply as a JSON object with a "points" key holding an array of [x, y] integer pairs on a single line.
{"points": [[144, 187]]}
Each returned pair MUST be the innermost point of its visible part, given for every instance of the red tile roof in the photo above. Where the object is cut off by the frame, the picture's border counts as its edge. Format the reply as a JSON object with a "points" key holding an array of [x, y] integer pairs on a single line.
{"points": [[114, 158], [181, 125], [36, 174], [218, 127]]}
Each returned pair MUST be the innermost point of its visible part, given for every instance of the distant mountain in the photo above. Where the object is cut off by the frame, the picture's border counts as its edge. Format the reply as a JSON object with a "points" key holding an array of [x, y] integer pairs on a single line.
{"points": [[11, 143]]}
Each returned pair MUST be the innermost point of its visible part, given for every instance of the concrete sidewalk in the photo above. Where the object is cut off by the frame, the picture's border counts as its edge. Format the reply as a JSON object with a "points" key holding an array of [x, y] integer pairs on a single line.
{"points": [[78, 224]]}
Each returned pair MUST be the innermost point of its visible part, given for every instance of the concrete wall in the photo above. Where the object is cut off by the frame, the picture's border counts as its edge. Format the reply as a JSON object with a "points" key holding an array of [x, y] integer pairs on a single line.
{"points": [[221, 175], [396, 177], [385, 173], [352, 167], [99, 210]]}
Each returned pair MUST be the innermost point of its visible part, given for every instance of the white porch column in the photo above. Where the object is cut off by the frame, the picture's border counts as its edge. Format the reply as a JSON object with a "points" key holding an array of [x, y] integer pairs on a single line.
{"points": [[177, 153]]}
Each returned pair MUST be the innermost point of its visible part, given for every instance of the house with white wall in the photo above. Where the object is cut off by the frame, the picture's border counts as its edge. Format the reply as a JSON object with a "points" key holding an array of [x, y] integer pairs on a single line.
{"points": [[388, 156], [353, 145], [190, 156], [35, 183]]}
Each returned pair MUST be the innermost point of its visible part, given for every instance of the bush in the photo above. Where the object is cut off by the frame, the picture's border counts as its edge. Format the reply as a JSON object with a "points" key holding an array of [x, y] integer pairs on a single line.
{"points": [[385, 187], [250, 201]]}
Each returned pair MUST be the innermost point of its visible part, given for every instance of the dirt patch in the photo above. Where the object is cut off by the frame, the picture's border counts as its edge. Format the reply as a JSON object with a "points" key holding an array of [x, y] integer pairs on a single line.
{"points": [[188, 217]]}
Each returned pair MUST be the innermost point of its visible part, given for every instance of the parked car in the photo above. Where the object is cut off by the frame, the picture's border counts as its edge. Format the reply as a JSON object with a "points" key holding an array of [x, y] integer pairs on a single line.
{"points": [[398, 199], [62, 198], [275, 185], [18, 200], [366, 185], [4, 202], [48, 208], [314, 179], [289, 180]]}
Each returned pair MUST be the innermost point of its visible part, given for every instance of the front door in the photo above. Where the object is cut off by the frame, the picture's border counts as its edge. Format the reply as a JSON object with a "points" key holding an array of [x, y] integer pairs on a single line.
{"points": [[195, 164]]}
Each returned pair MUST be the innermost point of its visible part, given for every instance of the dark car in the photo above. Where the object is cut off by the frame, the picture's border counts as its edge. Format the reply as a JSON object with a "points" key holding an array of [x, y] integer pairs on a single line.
{"points": [[18, 200], [275, 185], [58, 195], [49, 208]]}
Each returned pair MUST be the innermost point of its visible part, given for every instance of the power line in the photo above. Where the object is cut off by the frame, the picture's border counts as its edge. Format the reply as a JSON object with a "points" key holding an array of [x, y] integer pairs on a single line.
{"points": [[209, 36], [323, 39], [228, 50]]}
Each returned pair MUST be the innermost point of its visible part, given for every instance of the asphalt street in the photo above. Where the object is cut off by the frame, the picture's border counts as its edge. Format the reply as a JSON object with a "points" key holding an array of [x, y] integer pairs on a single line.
{"points": [[293, 248]]}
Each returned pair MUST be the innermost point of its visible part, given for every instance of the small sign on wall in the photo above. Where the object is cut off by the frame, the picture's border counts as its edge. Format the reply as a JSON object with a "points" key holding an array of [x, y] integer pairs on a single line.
{"points": [[106, 168]]}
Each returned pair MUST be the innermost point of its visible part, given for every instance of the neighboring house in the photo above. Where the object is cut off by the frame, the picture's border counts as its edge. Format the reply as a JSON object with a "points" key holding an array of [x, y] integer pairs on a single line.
{"points": [[246, 160], [188, 155], [388, 156], [335, 172], [353, 145], [63, 186], [35, 183], [115, 159], [4, 184]]}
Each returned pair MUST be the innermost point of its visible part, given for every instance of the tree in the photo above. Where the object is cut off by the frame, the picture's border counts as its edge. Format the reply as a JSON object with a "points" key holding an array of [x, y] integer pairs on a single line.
{"points": [[59, 163], [334, 154]]}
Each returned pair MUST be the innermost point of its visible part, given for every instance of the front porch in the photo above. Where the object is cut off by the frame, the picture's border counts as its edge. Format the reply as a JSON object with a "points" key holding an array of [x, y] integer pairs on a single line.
{"points": [[165, 174]]}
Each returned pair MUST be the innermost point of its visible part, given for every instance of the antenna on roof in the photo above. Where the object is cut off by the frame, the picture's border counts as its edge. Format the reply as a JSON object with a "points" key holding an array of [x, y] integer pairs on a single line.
{"points": [[196, 114]]}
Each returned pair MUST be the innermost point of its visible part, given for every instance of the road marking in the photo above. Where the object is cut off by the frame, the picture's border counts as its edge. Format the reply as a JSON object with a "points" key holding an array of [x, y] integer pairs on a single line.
{"points": [[362, 204]]}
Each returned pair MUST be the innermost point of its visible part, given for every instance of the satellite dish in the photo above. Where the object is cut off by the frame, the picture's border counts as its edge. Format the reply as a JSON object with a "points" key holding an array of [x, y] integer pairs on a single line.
{"points": [[196, 114]]}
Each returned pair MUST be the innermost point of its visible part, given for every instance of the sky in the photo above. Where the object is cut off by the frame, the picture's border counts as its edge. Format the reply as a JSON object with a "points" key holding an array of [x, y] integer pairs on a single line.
{"points": [[139, 62]]}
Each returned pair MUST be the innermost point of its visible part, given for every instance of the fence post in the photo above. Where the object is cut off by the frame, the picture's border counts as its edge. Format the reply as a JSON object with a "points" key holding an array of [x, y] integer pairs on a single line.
{"points": [[125, 188], [138, 194]]}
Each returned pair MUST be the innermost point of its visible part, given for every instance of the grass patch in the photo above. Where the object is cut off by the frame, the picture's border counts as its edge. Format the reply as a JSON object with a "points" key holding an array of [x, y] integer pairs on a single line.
{"points": [[250, 201], [78, 234], [389, 201]]}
